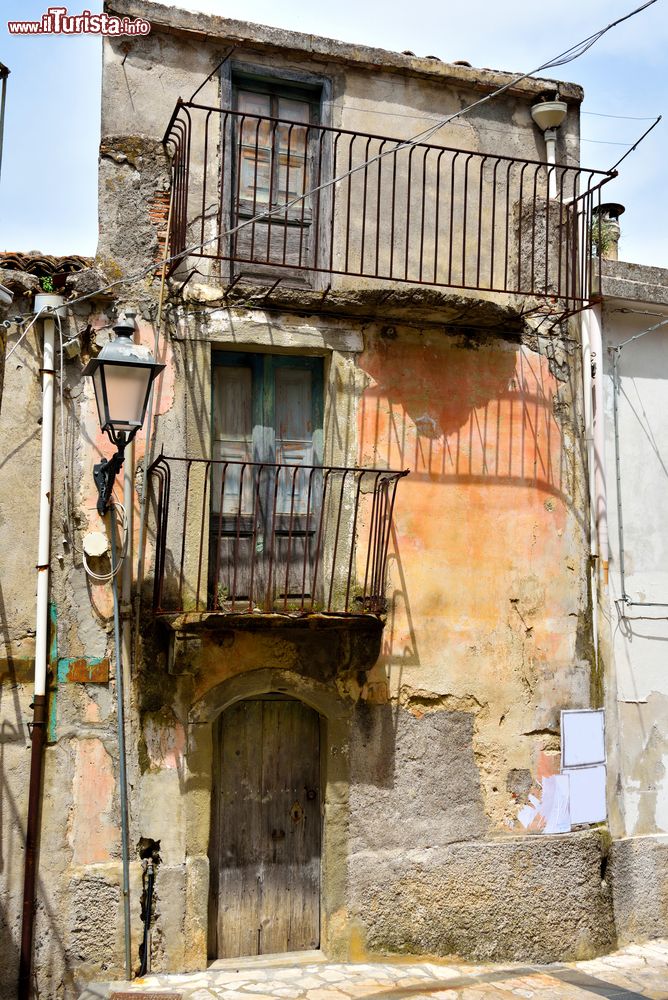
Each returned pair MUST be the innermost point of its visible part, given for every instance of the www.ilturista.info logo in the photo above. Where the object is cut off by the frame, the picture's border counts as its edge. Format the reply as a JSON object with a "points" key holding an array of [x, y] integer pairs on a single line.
{"points": [[56, 21]]}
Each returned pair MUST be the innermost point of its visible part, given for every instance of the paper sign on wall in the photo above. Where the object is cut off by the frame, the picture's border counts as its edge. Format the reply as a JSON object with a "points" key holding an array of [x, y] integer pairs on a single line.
{"points": [[556, 804], [587, 794], [582, 738]]}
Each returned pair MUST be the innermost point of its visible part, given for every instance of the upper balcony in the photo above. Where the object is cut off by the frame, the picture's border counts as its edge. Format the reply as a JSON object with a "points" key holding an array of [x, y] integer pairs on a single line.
{"points": [[255, 196]]}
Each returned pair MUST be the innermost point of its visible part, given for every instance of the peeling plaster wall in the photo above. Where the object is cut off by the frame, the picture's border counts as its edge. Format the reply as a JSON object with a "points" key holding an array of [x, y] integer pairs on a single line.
{"points": [[488, 563]]}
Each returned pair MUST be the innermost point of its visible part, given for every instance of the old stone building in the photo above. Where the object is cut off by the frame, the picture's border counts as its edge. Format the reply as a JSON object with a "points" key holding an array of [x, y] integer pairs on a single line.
{"points": [[356, 585]]}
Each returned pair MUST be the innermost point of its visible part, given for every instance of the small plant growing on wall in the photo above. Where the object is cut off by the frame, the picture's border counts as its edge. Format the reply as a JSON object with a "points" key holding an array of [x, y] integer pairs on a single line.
{"points": [[603, 236], [46, 284]]}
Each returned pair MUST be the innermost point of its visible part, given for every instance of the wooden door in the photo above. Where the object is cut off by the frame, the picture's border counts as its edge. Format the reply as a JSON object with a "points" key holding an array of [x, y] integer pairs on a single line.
{"points": [[265, 851]]}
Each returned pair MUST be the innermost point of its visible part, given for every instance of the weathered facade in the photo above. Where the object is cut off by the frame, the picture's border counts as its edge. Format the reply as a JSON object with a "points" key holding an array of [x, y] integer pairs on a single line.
{"points": [[343, 683]]}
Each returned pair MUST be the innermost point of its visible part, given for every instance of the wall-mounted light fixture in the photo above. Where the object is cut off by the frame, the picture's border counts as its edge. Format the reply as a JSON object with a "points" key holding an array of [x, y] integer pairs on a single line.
{"points": [[122, 377], [548, 116]]}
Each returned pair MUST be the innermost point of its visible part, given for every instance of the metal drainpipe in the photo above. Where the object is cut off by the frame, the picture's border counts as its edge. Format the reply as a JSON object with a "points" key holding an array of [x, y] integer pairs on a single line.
{"points": [[123, 790], [126, 668], [551, 157], [41, 645], [588, 398], [600, 489], [618, 471], [126, 572], [587, 364]]}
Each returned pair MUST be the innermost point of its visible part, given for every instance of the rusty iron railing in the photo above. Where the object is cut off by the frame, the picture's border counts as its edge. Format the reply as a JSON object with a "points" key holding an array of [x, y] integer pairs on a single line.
{"points": [[243, 537], [427, 214]]}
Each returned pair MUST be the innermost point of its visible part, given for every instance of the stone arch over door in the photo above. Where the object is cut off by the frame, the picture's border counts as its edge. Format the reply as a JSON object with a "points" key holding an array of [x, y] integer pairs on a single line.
{"points": [[335, 715]]}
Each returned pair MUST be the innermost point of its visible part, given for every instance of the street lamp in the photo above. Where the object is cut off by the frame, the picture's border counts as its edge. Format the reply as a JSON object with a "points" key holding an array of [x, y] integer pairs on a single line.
{"points": [[122, 377]]}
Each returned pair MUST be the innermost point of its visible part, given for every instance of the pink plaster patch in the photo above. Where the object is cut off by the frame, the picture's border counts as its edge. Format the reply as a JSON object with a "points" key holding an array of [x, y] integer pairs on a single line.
{"points": [[92, 711], [548, 764], [93, 832]]}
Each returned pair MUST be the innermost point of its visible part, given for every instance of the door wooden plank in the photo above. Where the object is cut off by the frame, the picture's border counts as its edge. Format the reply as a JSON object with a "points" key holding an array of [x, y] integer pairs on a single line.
{"points": [[276, 725], [240, 830], [304, 915], [290, 908]]}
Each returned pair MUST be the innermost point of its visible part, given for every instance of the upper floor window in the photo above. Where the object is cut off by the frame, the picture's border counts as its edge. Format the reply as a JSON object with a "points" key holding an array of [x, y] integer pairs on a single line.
{"points": [[274, 167]]}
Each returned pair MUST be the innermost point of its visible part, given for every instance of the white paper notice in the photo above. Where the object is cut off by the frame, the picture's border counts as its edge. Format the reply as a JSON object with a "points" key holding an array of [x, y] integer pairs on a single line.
{"points": [[555, 804], [582, 738], [587, 794], [550, 813]]}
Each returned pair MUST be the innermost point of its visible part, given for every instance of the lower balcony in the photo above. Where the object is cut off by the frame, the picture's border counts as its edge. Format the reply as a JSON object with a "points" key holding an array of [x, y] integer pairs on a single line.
{"points": [[260, 538]]}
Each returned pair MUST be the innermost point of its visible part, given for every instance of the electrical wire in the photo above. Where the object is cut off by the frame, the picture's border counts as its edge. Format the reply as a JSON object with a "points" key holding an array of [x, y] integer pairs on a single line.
{"points": [[637, 142], [108, 577], [629, 118], [479, 126], [26, 331], [562, 59]]}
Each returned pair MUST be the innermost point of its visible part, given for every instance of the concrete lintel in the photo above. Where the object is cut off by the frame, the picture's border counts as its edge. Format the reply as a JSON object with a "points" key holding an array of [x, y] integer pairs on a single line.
{"points": [[246, 310], [258, 329]]}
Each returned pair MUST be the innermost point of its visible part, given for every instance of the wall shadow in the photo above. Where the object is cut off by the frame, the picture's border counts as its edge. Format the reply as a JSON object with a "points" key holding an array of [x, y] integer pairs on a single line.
{"points": [[465, 418]]}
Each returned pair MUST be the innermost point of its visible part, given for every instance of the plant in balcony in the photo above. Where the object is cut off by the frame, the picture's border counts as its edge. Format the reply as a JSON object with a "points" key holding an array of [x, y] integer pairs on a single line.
{"points": [[602, 237]]}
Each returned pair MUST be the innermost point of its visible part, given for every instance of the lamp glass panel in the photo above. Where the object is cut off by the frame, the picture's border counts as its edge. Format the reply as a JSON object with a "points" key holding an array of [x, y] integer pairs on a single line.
{"points": [[127, 389], [99, 395]]}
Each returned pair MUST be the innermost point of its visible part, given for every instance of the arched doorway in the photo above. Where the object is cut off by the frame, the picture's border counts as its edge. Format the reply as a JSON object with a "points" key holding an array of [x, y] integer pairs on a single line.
{"points": [[265, 829]]}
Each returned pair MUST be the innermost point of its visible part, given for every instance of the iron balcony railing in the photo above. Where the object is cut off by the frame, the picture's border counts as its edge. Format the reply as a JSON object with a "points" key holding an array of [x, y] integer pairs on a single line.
{"points": [[427, 214], [244, 537]]}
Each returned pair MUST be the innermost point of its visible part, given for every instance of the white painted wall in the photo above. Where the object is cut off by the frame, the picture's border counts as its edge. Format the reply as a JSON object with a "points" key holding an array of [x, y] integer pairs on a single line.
{"points": [[638, 671]]}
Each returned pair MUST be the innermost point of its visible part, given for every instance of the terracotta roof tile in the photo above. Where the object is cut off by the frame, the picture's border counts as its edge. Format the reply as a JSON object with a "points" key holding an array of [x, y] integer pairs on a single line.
{"points": [[43, 264]]}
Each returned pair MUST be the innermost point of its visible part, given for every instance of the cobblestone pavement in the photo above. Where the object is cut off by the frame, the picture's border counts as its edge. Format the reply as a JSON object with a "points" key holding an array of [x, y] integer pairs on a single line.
{"points": [[639, 971]]}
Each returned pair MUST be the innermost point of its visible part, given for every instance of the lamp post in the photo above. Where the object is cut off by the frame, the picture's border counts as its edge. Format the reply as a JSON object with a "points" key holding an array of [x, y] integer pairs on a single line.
{"points": [[122, 377]]}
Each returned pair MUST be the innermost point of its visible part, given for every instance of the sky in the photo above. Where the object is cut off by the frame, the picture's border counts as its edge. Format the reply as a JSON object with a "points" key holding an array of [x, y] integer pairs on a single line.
{"points": [[48, 186]]}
